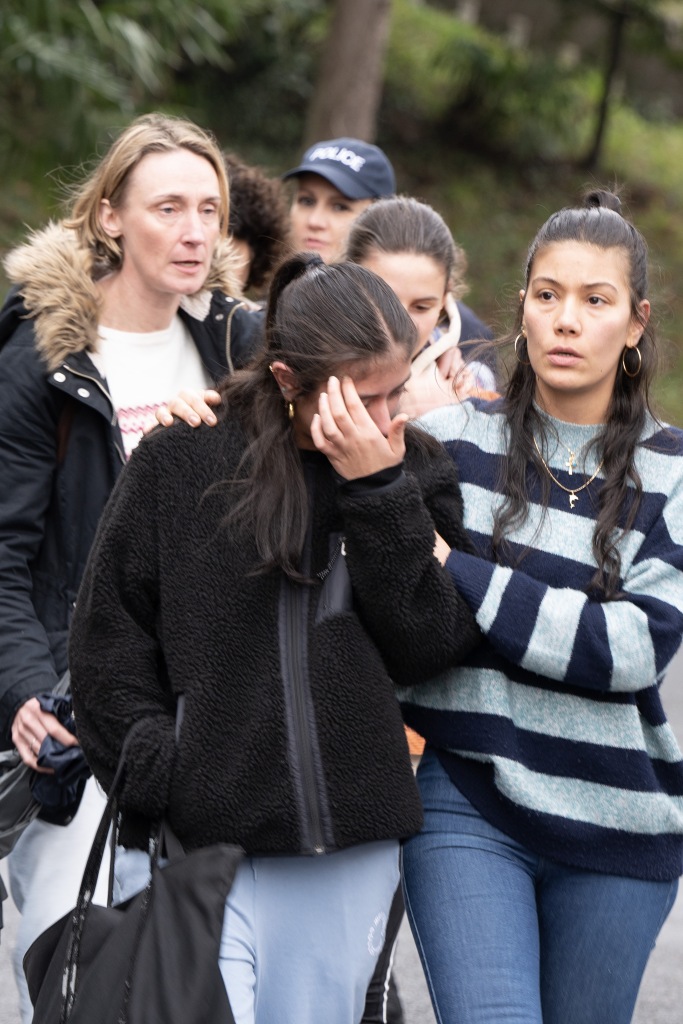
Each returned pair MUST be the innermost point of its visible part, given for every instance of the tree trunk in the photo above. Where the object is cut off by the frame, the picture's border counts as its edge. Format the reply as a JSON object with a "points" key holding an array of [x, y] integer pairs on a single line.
{"points": [[350, 76], [619, 18]]}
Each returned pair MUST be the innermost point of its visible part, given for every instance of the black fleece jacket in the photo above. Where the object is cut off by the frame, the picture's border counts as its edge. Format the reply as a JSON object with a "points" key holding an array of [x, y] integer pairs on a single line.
{"points": [[292, 739]]}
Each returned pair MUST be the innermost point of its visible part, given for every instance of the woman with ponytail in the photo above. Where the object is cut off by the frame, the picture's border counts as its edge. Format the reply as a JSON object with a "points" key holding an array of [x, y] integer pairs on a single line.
{"points": [[277, 570], [552, 783]]}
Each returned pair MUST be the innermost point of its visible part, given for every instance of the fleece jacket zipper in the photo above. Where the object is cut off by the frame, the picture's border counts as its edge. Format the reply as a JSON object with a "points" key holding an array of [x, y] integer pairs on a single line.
{"points": [[295, 669]]}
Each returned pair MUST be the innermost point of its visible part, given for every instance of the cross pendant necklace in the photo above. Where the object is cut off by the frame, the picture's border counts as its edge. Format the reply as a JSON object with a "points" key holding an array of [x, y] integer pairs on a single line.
{"points": [[573, 492]]}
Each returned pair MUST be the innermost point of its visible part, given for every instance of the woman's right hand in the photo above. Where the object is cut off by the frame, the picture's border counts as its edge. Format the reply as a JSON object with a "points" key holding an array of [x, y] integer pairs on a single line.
{"points": [[344, 431], [30, 727], [192, 407]]}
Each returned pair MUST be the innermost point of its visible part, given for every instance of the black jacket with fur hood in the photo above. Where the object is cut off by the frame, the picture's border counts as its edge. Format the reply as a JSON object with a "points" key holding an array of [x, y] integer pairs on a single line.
{"points": [[60, 446], [291, 739]]}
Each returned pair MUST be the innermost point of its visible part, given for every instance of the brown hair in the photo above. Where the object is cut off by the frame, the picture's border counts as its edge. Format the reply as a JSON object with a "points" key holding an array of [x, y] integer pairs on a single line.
{"points": [[403, 224], [258, 216]]}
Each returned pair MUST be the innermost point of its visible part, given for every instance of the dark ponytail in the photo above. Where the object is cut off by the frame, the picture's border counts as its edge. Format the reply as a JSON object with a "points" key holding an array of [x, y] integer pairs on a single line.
{"points": [[287, 272], [598, 222], [320, 320]]}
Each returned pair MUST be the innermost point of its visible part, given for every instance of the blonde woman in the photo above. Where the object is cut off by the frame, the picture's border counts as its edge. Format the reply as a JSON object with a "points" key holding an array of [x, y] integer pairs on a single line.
{"points": [[113, 309]]}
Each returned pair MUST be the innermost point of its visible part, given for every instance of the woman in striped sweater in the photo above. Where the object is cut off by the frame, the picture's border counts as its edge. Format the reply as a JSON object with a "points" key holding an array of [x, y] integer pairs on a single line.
{"points": [[552, 783]]}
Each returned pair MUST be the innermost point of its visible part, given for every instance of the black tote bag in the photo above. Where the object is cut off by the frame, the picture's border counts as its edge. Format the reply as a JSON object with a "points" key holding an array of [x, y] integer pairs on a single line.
{"points": [[150, 960]]}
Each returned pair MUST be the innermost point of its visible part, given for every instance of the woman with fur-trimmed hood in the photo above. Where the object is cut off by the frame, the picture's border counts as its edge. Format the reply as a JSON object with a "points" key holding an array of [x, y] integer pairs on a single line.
{"points": [[113, 311]]}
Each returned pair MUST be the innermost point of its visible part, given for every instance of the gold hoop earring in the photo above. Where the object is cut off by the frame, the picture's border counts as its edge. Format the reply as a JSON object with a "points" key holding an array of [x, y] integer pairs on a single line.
{"points": [[515, 344], [290, 410], [640, 362]]}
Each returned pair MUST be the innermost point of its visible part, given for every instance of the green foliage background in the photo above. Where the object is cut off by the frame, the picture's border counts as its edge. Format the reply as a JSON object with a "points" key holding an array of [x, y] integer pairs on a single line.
{"points": [[490, 133]]}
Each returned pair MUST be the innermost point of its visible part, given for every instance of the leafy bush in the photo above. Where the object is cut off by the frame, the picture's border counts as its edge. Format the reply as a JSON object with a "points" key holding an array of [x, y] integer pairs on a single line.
{"points": [[447, 75], [68, 69]]}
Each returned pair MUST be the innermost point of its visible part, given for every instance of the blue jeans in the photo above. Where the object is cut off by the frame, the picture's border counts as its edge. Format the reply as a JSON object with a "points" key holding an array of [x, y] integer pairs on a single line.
{"points": [[507, 936]]}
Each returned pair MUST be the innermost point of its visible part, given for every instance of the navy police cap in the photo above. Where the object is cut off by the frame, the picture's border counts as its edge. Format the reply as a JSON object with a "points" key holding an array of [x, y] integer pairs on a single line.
{"points": [[358, 169]]}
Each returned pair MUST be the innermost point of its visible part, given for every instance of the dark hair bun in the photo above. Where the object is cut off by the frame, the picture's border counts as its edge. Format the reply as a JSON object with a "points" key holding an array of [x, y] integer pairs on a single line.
{"points": [[600, 197]]}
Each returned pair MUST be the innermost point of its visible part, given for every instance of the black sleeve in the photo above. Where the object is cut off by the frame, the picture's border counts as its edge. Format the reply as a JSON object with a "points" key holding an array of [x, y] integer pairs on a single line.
{"points": [[28, 461], [405, 597], [117, 669]]}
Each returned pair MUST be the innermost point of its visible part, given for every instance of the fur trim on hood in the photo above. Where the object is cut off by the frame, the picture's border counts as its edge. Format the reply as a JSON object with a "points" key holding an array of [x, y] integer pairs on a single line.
{"points": [[57, 280]]}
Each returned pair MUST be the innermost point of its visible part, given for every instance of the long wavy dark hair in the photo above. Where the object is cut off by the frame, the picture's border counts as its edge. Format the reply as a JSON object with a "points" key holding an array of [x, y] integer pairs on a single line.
{"points": [[320, 320], [600, 223]]}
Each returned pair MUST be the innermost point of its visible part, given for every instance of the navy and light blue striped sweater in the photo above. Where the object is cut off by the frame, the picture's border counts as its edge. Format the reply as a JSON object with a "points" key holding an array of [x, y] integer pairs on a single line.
{"points": [[554, 728]]}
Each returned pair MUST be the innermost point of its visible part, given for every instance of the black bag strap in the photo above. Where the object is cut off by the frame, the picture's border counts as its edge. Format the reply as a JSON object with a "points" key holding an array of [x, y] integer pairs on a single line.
{"points": [[89, 880], [168, 843], [162, 841]]}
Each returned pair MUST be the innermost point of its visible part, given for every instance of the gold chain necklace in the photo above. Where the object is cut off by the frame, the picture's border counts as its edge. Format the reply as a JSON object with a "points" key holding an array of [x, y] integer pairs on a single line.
{"points": [[571, 491], [571, 461]]}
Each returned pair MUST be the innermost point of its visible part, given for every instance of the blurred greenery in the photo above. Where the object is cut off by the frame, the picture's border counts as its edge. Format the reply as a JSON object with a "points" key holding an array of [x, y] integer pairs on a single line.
{"points": [[491, 97], [491, 132]]}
